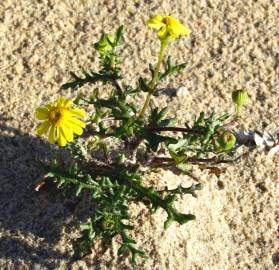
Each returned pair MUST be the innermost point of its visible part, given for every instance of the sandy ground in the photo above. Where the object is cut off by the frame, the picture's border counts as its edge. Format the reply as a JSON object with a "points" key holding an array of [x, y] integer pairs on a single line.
{"points": [[234, 44]]}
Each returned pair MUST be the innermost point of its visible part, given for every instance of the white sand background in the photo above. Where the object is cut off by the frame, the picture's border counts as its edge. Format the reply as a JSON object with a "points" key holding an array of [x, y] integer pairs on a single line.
{"points": [[234, 44]]}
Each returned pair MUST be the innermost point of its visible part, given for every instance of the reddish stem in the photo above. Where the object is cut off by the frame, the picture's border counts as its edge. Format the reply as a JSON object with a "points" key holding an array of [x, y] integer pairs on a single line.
{"points": [[174, 129]]}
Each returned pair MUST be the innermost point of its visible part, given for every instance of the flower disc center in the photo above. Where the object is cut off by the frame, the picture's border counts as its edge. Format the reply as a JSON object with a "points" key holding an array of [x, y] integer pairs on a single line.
{"points": [[167, 21], [56, 115]]}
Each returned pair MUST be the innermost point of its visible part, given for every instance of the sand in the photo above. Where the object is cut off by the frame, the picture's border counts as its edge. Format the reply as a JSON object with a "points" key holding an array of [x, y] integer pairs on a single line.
{"points": [[234, 45]]}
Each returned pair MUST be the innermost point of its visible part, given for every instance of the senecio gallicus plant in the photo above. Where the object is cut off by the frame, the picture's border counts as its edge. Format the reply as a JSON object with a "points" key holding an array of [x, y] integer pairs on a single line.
{"points": [[113, 140]]}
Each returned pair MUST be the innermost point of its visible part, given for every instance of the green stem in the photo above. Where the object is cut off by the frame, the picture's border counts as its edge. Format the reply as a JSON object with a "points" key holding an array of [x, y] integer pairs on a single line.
{"points": [[237, 115], [155, 78]]}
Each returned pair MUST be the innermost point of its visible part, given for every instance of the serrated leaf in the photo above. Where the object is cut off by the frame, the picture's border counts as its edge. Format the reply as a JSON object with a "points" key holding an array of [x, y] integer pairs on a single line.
{"points": [[168, 222], [169, 62], [162, 114], [73, 169], [185, 167], [143, 85], [122, 250], [175, 147], [119, 35], [167, 122], [177, 157], [61, 182], [50, 174], [85, 226], [79, 189], [152, 70], [154, 140]]}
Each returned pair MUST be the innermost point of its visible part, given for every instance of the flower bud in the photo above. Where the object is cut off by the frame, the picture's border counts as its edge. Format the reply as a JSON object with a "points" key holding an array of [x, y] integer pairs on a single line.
{"points": [[239, 97], [107, 224], [225, 141]]}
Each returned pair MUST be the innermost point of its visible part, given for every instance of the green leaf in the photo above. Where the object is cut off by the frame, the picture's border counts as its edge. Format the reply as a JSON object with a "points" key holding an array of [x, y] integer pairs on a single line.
{"points": [[79, 189], [162, 114], [85, 226], [119, 35], [50, 174], [156, 117], [143, 85], [169, 62], [167, 122], [105, 44], [89, 77], [122, 249], [73, 169], [180, 218], [178, 146], [154, 140], [170, 69], [185, 167], [152, 70]]}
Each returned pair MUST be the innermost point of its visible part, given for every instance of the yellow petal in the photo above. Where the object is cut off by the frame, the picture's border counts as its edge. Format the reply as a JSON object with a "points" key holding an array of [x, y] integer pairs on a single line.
{"points": [[162, 33], [76, 129], [43, 128], [78, 112], [185, 31], [60, 101], [156, 22], [67, 133], [173, 33], [68, 103], [41, 113], [52, 134], [74, 121], [61, 139], [177, 29]]}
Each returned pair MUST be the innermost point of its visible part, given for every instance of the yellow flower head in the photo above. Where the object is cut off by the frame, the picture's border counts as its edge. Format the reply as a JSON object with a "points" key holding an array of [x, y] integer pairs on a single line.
{"points": [[169, 28], [60, 120]]}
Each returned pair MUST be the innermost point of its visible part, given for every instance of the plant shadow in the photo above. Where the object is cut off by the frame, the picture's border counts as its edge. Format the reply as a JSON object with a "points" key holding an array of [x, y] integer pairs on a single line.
{"points": [[31, 222]]}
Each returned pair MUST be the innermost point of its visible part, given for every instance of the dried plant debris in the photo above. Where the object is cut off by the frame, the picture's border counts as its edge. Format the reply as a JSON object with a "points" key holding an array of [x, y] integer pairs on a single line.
{"points": [[264, 141]]}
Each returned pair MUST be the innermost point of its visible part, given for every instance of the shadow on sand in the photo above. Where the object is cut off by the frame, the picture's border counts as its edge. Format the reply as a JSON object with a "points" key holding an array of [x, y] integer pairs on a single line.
{"points": [[31, 222]]}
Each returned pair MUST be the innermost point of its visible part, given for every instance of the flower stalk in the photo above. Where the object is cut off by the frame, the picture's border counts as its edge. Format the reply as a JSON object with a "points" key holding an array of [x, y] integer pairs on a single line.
{"points": [[155, 78]]}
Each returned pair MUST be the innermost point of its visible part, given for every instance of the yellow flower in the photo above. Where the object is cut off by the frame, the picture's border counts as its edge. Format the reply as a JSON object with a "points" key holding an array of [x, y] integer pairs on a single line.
{"points": [[61, 120], [169, 28]]}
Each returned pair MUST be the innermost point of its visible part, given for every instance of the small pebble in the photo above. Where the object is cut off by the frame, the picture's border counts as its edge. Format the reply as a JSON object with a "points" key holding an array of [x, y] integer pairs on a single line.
{"points": [[182, 92]]}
